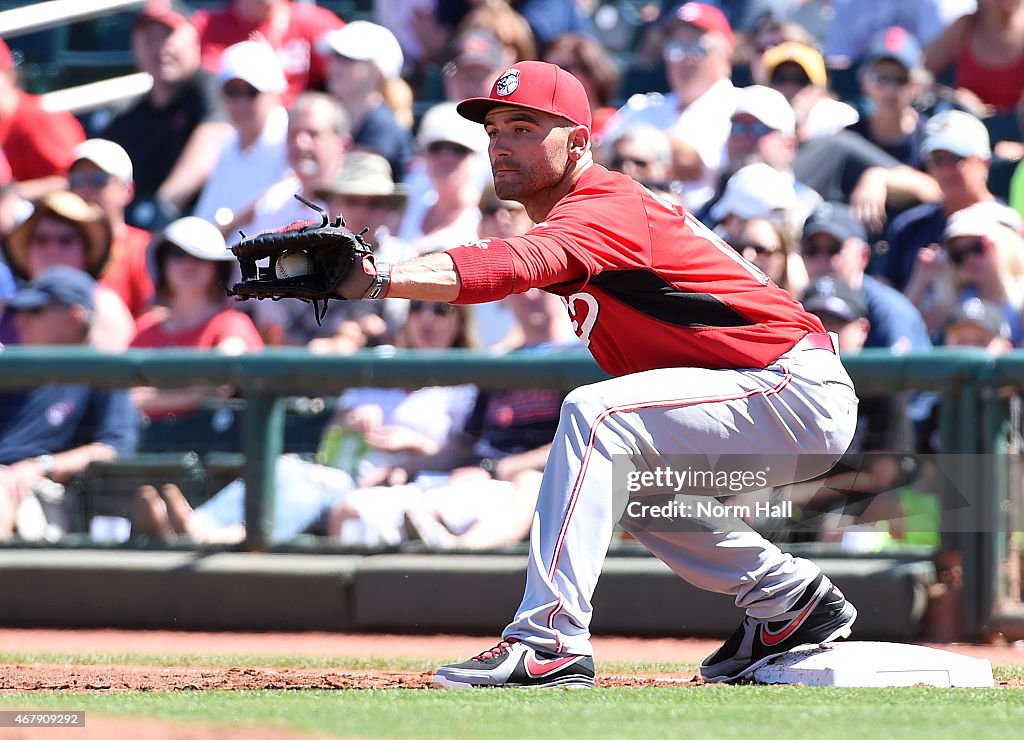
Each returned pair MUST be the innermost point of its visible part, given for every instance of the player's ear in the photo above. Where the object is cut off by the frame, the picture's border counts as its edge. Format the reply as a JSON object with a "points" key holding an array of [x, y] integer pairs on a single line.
{"points": [[579, 141]]}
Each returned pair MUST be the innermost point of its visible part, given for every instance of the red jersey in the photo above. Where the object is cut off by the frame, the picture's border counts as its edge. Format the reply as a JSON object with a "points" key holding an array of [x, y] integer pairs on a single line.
{"points": [[151, 333], [128, 274], [292, 30], [39, 143], [656, 288]]}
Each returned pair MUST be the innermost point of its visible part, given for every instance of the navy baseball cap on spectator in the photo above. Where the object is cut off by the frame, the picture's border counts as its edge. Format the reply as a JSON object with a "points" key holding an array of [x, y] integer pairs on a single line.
{"points": [[59, 284], [834, 297], [834, 219], [981, 313], [897, 44]]}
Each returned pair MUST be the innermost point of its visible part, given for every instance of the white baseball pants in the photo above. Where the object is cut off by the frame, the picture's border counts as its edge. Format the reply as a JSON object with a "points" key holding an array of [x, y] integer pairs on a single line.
{"points": [[802, 404]]}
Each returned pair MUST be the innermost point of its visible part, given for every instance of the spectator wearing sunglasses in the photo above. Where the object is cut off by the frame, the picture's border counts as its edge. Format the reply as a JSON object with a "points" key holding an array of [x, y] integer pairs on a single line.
{"points": [[892, 77], [375, 435], [978, 257], [834, 243], [798, 72], [452, 156], [102, 175], [65, 230], [763, 130], [191, 266], [644, 153], [957, 155], [697, 53], [770, 244], [252, 83]]}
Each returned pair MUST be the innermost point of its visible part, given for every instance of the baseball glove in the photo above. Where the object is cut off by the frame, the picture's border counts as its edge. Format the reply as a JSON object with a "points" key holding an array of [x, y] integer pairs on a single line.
{"points": [[330, 251]]}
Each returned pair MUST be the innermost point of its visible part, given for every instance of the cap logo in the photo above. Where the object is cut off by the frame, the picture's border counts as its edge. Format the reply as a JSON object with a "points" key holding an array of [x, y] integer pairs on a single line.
{"points": [[508, 83], [689, 13]]}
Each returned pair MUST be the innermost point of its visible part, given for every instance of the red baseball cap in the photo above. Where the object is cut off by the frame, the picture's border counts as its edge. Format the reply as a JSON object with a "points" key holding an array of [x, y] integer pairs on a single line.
{"points": [[707, 18], [538, 86], [170, 13]]}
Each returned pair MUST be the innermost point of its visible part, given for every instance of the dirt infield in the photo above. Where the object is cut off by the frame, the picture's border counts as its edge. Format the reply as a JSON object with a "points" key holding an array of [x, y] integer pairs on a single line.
{"points": [[36, 678], [108, 678]]}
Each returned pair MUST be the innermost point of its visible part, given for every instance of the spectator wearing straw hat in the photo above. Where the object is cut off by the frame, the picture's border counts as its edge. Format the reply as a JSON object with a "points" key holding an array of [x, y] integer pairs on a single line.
{"points": [[102, 174], [65, 230], [37, 142], [255, 157], [364, 192]]}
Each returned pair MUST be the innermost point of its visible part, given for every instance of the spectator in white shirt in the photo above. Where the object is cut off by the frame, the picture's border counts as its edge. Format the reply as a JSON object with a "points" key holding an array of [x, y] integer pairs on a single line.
{"points": [[698, 53], [252, 82]]}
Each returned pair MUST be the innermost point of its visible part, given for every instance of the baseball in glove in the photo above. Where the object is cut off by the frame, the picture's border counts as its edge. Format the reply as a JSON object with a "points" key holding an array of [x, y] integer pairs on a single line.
{"points": [[305, 260]]}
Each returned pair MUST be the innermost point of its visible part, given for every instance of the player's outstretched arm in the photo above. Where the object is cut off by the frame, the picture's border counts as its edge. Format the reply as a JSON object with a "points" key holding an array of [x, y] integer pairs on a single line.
{"points": [[431, 277]]}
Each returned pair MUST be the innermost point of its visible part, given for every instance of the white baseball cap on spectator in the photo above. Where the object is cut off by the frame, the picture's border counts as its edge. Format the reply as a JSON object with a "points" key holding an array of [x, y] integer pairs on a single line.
{"points": [[980, 219], [253, 62], [957, 132], [755, 191], [368, 42], [442, 122], [107, 155], [768, 106]]}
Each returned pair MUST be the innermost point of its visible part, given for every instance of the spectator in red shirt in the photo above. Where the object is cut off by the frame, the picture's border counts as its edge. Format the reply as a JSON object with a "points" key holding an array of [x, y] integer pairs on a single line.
{"points": [[102, 175], [37, 143], [290, 28], [191, 266]]}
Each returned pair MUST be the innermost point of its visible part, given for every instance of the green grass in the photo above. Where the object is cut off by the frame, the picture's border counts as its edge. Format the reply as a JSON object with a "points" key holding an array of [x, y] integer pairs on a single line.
{"points": [[688, 711], [718, 712]]}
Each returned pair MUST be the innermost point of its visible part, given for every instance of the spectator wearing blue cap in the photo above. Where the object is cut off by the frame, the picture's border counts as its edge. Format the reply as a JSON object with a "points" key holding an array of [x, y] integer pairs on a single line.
{"points": [[835, 243], [978, 323], [51, 433], [892, 77]]}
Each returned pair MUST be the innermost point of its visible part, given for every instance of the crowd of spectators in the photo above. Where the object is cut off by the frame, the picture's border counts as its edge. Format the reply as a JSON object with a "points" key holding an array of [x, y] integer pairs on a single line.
{"points": [[866, 156]]}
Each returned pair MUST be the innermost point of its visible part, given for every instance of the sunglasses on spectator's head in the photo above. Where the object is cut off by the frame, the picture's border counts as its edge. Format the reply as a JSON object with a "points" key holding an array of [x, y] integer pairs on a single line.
{"points": [[437, 147], [676, 51], [438, 309], [959, 256], [750, 128], [78, 180], [235, 92]]}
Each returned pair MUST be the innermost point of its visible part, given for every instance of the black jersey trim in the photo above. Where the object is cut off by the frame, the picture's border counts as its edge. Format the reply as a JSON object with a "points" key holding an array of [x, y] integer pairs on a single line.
{"points": [[650, 294]]}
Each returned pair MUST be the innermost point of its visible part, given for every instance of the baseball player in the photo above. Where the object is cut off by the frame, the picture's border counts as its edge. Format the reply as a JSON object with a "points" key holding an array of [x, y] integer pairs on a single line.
{"points": [[707, 356]]}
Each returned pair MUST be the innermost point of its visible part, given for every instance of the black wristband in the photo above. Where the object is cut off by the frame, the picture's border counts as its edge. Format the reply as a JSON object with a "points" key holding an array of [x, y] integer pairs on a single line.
{"points": [[381, 282]]}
